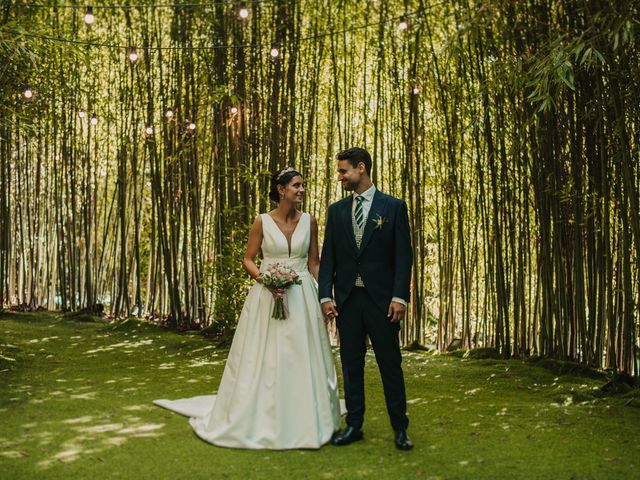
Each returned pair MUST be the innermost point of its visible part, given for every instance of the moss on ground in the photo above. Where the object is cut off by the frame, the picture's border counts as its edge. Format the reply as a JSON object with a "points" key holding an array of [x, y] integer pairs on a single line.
{"points": [[75, 402]]}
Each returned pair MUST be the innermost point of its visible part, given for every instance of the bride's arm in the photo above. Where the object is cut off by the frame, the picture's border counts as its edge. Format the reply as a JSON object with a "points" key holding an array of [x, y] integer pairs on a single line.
{"points": [[253, 248], [314, 255]]}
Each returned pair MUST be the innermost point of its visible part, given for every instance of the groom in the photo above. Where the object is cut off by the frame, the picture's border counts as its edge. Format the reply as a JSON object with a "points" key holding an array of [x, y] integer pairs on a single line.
{"points": [[365, 270]]}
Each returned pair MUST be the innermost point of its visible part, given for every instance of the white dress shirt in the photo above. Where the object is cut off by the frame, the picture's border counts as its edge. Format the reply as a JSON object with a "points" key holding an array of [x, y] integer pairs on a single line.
{"points": [[368, 195]]}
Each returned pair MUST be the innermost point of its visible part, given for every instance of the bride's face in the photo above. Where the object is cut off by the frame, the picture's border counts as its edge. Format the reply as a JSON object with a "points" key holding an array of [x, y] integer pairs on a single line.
{"points": [[294, 191]]}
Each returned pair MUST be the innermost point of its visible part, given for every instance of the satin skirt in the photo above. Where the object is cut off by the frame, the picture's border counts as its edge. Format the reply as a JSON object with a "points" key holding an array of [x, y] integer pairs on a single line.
{"points": [[279, 389]]}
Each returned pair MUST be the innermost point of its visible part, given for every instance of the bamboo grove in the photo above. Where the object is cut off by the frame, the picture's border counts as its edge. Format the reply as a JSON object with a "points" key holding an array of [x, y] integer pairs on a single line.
{"points": [[511, 129]]}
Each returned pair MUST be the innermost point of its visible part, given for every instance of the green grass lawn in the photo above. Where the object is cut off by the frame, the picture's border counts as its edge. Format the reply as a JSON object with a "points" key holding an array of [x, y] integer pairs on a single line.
{"points": [[75, 402]]}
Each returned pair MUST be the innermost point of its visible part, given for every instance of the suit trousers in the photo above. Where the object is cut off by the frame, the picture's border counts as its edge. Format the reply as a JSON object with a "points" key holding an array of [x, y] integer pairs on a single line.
{"points": [[358, 318]]}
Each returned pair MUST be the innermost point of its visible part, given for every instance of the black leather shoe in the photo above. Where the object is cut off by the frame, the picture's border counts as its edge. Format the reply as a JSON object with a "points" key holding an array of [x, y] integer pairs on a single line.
{"points": [[349, 435], [402, 440]]}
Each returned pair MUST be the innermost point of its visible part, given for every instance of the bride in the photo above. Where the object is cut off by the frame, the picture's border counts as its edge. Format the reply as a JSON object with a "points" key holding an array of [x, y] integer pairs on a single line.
{"points": [[279, 389]]}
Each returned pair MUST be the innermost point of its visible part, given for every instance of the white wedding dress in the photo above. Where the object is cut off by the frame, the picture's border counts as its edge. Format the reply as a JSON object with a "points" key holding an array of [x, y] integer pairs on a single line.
{"points": [[279, 389]]}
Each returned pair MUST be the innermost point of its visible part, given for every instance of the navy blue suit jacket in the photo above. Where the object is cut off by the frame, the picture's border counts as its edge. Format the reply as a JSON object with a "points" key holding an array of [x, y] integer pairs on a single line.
{"points": [[383, 260]]}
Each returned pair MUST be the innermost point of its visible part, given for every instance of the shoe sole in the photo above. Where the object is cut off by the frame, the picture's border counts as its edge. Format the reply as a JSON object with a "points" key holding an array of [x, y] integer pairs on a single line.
{"points": [[404, 449]]}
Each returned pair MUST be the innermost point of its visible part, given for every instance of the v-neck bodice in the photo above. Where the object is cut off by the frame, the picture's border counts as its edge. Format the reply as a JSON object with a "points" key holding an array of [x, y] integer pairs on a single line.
{"points": [[275, 247]]}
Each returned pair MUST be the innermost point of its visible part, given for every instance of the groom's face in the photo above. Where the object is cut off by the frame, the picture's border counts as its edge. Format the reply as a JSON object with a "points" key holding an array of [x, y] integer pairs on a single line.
{"points": [[349, 175]]}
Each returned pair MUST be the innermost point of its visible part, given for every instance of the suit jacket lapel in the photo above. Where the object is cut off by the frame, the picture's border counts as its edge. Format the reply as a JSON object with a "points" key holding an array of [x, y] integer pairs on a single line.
{"points": [[377, 208], [348, 224]]}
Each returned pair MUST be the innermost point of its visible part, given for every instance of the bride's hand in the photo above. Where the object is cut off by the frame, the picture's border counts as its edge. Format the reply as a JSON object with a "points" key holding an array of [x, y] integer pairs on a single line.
{"points": [[277, 292]]}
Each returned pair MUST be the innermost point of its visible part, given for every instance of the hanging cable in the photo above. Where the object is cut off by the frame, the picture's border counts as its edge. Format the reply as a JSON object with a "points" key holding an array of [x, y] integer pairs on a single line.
{"points": [[216, 47]]}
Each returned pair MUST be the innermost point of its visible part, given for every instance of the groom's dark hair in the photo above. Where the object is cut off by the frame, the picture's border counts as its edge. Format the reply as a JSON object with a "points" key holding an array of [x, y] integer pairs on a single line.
{"points": [[355, 155]]}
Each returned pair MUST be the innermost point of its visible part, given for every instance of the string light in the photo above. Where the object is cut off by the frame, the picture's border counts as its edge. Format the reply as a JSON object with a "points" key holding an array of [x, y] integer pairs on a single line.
{"points": [[88, 16], [191, 126], [94, 119], [82, 114], [28, 93], [243, 13], [416, 90], [234, 110], [169, 114], [275, 51], [404, 24], [132, 54], [151, 6], [149, 131]]}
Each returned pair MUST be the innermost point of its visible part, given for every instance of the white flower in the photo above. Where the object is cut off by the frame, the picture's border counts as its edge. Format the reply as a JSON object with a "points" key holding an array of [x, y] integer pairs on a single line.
{"points": [[379, 222]]}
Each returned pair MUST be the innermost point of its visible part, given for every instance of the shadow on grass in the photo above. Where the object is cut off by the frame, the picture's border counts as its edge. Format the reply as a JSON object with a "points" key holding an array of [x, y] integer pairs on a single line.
{"points": [[74, 414], [74, 438]]}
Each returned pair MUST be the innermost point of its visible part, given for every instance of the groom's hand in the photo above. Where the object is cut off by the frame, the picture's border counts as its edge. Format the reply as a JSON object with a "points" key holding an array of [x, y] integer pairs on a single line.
{"points": [[396, 312], [329, 310]]}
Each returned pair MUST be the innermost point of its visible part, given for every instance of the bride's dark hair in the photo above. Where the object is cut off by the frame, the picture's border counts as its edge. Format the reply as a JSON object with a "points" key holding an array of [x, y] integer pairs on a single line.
{"points": [[281, 177]]}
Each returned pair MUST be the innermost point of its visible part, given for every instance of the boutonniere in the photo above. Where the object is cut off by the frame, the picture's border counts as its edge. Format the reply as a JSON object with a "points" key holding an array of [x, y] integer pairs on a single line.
{"points": [[379, 222]]}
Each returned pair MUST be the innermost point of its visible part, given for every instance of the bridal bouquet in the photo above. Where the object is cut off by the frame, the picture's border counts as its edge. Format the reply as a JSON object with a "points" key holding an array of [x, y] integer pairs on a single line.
{"points": [[278, 278]]}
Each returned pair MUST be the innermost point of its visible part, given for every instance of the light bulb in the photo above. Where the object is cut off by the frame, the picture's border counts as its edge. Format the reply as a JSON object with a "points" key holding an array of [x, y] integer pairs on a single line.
{"points": [[149, 131], [169, 114], [416, 90], [403, 25], [275, 51], [192, 126], [82, 114], [243, 13], [28, 93], [94, 119], [132, 55], [234, 110], [88, 16]]}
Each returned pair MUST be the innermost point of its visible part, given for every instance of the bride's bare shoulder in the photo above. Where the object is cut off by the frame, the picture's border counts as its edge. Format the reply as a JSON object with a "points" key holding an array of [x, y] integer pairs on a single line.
{"points": [[257, 223]]}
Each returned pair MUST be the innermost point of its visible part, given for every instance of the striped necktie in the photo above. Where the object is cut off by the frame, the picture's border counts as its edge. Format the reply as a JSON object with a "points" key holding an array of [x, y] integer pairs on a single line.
{"points": [[359, 213]]}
